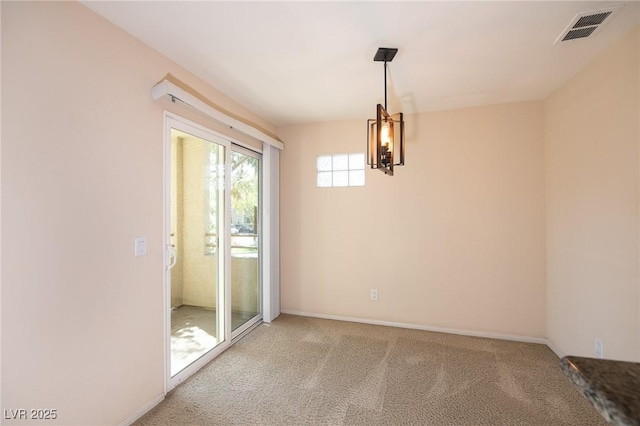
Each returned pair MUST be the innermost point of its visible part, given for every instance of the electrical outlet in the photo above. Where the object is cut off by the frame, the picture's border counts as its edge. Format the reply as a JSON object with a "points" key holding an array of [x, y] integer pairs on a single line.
{"points": [[374, 294], [599, 348]]}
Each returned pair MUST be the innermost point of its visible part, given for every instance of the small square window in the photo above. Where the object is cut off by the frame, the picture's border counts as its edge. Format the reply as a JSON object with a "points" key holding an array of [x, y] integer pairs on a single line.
{"points": [[324, 163], [341, 162], [341, 178], [356, 161], [324, 180], [340, 170], [356, 177]]}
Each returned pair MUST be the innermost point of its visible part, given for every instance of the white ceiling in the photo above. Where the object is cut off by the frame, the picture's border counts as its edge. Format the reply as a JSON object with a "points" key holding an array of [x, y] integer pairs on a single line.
{"points": [[300, 62]]}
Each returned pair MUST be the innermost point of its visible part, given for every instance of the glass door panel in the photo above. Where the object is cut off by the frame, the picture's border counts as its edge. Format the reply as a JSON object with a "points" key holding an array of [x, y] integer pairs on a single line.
{"points": [[196, 220], [245, 241]]}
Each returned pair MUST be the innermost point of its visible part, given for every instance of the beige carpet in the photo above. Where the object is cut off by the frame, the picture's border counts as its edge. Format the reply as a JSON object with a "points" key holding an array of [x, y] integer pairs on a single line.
{"points": [[193, 333], [305, 371]]}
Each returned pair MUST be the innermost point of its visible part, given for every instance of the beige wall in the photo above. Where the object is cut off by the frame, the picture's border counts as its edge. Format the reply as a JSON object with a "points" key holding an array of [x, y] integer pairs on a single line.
{"points": [[82, 175], [592, 143], [455, 239]]}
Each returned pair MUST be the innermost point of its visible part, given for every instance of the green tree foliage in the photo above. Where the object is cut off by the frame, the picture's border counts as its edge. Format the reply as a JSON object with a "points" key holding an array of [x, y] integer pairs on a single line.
{"points": [[244, 185]]}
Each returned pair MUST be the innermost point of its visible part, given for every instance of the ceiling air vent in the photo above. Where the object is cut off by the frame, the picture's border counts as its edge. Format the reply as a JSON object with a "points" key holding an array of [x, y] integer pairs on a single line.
{"points": [[585, 24]]}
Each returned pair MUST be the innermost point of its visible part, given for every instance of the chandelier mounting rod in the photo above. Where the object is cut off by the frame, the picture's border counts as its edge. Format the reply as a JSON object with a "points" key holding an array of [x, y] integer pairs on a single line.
{"points": [[385, 54], [385, 85]]}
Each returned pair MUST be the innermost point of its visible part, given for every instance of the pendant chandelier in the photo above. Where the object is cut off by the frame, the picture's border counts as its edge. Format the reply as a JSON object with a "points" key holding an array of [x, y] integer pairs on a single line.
{"points": [[385, 133]]}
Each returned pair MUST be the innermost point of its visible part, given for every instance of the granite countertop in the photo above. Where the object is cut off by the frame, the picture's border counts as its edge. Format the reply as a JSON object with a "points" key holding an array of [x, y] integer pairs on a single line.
{"points": [[613, 387]]}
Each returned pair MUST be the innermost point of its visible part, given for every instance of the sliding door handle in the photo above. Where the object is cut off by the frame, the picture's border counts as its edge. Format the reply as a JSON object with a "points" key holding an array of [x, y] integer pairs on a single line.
{"points": [[172, 254]]}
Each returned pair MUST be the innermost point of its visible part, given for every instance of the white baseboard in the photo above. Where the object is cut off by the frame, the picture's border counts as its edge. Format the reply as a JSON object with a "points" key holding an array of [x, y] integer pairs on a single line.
{"points": [[143, 410], [489, 335], [554, 349]]}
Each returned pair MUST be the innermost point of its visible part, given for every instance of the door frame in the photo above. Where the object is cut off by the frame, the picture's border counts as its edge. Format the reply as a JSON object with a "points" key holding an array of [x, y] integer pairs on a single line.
{"points": [[224, 303]]}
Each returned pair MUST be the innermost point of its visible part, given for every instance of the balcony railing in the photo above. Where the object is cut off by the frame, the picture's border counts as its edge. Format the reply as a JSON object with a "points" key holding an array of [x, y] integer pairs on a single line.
{"points": [[240, 243]]}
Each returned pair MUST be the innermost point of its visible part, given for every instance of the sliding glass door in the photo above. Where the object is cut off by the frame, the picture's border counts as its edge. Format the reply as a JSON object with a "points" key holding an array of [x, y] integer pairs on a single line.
{"points": [[212, 238], [245, 239], [196, 247]]}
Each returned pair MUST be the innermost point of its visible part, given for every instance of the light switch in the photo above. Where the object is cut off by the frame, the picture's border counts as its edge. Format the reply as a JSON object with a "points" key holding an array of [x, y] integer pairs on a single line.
{"points": [[141, 246]]}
